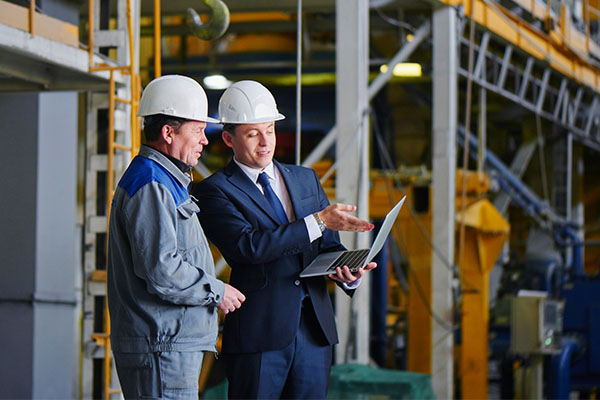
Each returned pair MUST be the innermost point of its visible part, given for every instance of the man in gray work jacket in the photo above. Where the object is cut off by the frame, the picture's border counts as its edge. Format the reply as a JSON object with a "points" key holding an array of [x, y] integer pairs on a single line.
{"points": [[162, 289]]}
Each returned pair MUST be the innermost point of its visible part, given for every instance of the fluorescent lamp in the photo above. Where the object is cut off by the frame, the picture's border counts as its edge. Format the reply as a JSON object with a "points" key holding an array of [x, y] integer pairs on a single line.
{"points": [[216, 82], [407, 69], [403, 69]]}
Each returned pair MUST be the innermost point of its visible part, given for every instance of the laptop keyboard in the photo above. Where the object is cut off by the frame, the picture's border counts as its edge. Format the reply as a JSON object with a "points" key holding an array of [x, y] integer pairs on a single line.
{"points": [[354, 259]]}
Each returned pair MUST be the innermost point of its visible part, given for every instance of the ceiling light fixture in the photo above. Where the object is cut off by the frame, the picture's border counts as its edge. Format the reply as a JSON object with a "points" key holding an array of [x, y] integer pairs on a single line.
{"points": [[407, 69], [403, 69], [216, 82]]}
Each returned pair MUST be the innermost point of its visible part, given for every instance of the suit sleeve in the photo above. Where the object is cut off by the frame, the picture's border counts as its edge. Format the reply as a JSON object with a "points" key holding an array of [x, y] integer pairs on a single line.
{"points": [[226, 225], [330, 240]]}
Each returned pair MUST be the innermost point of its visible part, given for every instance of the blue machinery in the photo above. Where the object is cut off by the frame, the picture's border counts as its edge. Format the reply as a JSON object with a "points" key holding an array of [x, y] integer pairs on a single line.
{"points": [[576, 363]]}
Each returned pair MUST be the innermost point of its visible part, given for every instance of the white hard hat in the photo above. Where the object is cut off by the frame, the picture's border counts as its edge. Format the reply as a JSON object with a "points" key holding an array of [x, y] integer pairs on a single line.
{"points": [[248, 102], [177, 96]]}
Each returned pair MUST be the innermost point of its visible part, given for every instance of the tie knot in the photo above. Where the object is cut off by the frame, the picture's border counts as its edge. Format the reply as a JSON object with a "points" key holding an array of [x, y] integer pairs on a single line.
{"points": [[263, 179]]}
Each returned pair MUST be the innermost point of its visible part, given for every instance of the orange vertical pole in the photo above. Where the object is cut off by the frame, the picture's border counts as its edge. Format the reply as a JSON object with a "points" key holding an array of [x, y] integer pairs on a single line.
{"points": [[91, 32], [31, 15], [132, 77], [110, 179], [157, 50]]}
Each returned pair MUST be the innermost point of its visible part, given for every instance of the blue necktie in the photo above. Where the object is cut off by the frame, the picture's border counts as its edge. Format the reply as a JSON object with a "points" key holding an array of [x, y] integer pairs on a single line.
{"points": [[272, 198]]}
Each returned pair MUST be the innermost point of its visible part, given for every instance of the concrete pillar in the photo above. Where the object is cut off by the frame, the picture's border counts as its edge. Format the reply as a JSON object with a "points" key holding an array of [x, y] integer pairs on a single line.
{"points": [[444, 176], [38, 243], [352, 149]]}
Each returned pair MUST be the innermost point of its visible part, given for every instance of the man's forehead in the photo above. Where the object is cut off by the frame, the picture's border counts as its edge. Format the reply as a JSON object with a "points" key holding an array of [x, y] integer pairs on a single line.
{"points": [[257, 127]]}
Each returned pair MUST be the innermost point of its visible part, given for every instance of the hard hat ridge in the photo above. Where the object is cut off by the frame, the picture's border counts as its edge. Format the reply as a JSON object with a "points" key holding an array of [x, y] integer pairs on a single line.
{"points": [[177, 96], [248, 102]]}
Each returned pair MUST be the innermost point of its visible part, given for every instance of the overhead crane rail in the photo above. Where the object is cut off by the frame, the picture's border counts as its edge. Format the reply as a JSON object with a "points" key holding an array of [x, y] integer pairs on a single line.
{"points": [[561, 47], [535, 85]]}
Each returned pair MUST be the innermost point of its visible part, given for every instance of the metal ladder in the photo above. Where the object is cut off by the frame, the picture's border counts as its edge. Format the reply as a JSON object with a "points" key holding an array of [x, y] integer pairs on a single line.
{"points": [[112, 139]]}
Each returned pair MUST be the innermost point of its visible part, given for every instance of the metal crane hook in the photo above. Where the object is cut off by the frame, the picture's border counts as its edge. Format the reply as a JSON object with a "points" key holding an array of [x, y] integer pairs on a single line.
{"points": [[216, 26]]}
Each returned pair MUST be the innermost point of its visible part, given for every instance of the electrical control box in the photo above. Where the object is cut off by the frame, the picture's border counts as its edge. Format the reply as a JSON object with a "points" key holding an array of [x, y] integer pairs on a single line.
{"points": [[536, 325]]}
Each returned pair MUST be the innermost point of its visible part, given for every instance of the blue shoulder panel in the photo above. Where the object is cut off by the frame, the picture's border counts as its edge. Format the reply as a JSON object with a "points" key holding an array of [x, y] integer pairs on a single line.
{"points": [[143, 171]]}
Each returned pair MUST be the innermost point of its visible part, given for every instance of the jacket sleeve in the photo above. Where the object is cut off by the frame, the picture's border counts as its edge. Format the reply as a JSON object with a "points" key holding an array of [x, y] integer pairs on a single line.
{"points": [[330, 241], [151, 216], [226, 225]]}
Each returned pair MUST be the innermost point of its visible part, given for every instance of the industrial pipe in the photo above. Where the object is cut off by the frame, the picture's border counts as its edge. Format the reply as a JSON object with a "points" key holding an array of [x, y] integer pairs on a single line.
{"points": [[534, 203], [561, 370], [571, 240]]}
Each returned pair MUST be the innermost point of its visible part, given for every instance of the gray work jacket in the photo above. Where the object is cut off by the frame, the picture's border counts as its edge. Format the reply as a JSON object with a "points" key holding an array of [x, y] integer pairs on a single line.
{"points": [[162, 289]]}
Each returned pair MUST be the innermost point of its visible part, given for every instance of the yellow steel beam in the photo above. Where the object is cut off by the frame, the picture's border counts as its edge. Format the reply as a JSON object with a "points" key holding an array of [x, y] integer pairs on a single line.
{"points": [[486, 233], [409, 235], [552, 48]]}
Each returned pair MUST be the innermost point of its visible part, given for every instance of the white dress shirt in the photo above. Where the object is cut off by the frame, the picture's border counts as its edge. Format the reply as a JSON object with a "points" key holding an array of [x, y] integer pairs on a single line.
{"points": [[278, 186]]}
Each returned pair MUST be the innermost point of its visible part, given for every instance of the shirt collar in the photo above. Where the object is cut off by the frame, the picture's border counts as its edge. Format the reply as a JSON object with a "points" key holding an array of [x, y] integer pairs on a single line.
{"points": [[253, 173]]}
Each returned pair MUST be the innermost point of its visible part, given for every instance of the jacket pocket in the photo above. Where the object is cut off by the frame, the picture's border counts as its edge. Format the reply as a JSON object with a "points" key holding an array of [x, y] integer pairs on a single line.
{"points": [[188, 227], [187, 209]]}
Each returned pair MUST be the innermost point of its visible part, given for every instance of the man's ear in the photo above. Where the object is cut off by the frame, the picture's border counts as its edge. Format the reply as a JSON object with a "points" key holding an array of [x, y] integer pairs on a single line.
{"points": [[226, 136], [167, 132]]}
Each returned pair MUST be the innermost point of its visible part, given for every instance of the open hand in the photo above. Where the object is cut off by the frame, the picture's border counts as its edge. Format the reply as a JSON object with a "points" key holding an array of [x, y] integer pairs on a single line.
{"points": [[335, 217]]}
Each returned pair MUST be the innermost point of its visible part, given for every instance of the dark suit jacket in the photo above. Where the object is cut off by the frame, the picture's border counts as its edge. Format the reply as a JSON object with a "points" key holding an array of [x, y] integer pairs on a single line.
{"points": [[266, 257]]}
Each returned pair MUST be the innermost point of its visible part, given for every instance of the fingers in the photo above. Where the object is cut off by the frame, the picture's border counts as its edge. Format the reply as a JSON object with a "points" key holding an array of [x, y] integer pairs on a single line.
{"points": [[336, 218], [344, 275], [370, 266], [344, 207], [232, 300], [353, 224]]}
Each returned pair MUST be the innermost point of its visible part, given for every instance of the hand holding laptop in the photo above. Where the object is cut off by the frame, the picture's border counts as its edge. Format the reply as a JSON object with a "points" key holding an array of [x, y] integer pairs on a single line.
{"points": [[335, 217], [352, 260], [344, 275]]}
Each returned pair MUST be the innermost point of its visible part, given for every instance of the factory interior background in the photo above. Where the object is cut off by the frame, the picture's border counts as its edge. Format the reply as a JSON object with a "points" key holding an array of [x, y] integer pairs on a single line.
{"points": [[484, 113]]}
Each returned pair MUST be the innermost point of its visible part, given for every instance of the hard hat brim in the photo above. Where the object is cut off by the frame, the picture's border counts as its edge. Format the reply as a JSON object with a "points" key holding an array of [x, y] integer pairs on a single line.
{"points": [[205, 119], [278, 117], [209, 119]]}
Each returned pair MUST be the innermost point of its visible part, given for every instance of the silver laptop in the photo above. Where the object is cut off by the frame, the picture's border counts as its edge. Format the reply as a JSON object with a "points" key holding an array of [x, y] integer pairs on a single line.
{"points": [[326, 263]]}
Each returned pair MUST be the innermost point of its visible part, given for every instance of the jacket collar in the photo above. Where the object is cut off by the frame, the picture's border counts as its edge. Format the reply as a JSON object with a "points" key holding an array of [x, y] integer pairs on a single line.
{"points": [[158, 157]]}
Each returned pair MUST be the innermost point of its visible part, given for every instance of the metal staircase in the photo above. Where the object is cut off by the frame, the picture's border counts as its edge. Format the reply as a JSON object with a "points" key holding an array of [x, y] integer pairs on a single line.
{"points": [[112, 139]]}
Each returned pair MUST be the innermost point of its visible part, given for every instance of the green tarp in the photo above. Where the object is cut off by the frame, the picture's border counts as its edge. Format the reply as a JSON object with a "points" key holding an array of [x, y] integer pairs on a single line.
{"points": [[363, 382]]}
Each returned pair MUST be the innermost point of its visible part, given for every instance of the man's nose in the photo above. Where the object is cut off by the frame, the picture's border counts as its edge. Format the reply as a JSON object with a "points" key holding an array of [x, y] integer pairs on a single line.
{"points": [[263, 139]]}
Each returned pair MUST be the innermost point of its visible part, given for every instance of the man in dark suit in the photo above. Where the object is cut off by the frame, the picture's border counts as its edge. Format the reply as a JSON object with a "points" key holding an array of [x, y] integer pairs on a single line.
{"points": [[270, 220]]}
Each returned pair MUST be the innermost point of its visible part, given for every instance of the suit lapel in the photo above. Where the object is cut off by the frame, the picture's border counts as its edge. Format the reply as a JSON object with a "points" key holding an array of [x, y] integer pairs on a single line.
{"points": [[239, 179], [293, 188]]}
